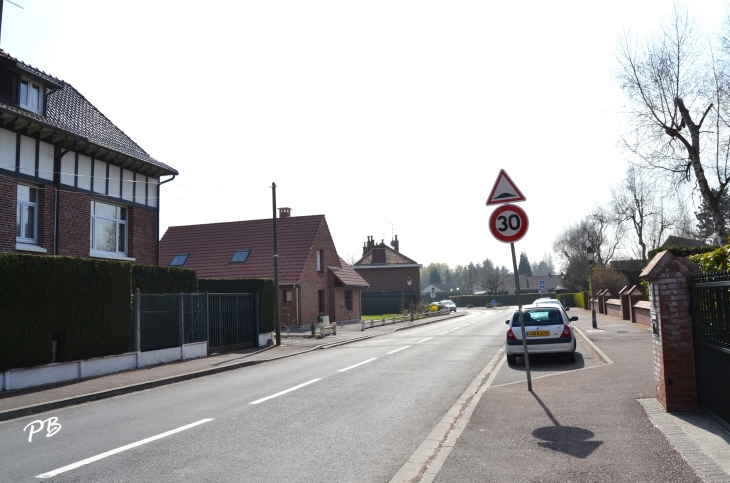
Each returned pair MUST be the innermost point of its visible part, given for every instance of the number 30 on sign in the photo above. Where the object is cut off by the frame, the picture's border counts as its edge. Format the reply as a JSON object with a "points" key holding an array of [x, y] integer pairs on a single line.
{"points": [[508, 223]]}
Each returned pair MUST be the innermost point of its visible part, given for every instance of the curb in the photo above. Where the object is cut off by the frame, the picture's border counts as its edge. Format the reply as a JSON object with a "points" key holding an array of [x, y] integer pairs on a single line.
{"points": [[142, 386]]}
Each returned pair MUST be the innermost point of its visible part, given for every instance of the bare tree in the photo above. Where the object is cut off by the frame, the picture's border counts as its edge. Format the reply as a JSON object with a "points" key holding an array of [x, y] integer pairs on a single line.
{"points": [[600, 230], [490, 278], [679, 108]]}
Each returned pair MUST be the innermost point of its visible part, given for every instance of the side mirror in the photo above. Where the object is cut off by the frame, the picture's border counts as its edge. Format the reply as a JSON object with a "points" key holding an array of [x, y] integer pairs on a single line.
{"points": [[506, 322], [567, 308], [573, 319]]}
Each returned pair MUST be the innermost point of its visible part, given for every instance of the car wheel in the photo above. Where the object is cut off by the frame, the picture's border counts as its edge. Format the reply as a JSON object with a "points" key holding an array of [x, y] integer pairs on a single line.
{"points": [[511, 359]]}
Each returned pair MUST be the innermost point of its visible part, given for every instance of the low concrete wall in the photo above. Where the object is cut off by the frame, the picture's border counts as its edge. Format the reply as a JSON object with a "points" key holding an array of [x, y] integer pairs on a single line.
{"points": [[265, 338], [642, 313], [613, 308], [66, 371]]}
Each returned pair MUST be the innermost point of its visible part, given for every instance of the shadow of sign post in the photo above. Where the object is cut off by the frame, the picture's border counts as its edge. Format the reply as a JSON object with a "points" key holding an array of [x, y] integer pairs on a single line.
{"points": [[565, 439]]}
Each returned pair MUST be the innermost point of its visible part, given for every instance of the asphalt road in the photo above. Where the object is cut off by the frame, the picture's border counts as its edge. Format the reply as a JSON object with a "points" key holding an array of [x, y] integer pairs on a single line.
{"points": [[350, 413]]}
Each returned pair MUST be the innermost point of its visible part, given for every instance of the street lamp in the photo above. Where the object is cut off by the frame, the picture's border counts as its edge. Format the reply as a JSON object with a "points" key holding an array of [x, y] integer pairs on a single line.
{"points": [[562, 282], [409, 282], [589, 256]]}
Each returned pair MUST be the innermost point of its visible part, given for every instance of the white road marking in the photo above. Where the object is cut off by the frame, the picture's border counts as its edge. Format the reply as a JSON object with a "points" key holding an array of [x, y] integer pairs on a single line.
{"points": [[98, 457], [393, 352], [358, 364], [442, 333], [424, 340], [284, 392]]}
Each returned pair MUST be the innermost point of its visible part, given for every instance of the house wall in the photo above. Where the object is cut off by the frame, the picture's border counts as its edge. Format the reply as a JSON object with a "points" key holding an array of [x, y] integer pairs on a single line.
{"points": [[8, 206], [339, 299], [142, 235], [391, 279]]}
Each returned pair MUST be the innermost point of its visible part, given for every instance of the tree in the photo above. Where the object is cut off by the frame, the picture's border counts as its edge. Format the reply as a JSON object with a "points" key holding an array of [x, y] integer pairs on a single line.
{"points": [[601, 230], [489, 277], [523, 268], [676, 85], [705, 224], [434, 276], [469, 278], [504, 271], [605, 278]]}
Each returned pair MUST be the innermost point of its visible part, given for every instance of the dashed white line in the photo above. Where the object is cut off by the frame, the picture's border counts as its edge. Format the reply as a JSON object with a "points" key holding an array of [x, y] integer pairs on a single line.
{"points": [[393, 352], [442, 333], [98, 457], [358, 364], [424, 340], [284, 392]]}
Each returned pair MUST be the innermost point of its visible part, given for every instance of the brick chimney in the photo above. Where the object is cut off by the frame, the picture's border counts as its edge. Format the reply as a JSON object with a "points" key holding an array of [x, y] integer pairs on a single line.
{"points": [[371, 243], [395, 244], [284, 212]]}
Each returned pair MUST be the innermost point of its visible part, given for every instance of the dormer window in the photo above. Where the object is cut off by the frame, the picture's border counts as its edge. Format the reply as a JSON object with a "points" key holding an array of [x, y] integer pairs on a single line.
{"points": [[31, 95]]}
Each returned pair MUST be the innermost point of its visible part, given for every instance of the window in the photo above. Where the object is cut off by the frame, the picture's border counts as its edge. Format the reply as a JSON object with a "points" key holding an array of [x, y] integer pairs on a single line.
{"points": [[287, 296], [179, 260], [348, 299], [108, 228], [240, 256], [27, 219], [31, 96], [320, 262], [320, 297]]}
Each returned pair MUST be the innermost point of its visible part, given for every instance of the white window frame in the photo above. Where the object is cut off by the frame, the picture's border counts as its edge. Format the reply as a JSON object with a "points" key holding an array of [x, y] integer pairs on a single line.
{"points": [[21, 204], [41, 91], [119, 224]]}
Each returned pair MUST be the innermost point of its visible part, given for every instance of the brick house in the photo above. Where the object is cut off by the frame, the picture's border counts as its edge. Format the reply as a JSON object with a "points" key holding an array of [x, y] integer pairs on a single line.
{"points": [[387, 271], [313, 279], [71, 182]]}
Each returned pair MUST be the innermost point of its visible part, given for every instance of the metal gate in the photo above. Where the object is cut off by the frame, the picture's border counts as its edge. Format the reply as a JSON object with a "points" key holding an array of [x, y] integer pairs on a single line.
{"points": [[169, 320], [710, 307], [233, 320]]}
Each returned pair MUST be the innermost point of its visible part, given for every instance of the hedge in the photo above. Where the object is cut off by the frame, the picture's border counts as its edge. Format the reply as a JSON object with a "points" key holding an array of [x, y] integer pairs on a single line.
{"points": [[155, 280], [683, 251], [84, 304], [505, 300], [262, 286], [574, 299], [389, 303]]}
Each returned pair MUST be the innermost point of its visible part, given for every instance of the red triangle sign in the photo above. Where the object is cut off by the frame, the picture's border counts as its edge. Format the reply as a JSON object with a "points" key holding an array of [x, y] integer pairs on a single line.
{"points": [[504, 190]]}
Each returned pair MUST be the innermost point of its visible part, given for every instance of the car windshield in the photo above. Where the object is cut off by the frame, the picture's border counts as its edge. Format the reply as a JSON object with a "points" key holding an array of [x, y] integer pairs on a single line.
{"points": [[448, 302], [533, 317]]}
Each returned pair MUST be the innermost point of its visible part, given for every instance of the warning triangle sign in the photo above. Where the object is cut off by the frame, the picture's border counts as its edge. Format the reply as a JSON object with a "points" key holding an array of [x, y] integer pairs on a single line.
{"points": [[504, 190]]}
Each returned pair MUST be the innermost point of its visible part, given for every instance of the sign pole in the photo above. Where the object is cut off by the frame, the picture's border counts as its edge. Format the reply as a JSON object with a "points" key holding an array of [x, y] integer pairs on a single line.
{"points": [[522, 319]]}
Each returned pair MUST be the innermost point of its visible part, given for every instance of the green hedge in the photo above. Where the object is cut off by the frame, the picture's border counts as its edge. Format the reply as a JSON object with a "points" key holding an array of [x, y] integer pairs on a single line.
{"points": [[153, 279], [683, 251], [85, 304], [579, 299], [262, 286], [389, 303], [505, 300]]}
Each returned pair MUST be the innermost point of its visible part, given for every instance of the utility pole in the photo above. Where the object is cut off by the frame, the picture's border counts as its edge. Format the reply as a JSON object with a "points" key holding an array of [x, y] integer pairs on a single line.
{"points": [[276, 268]]}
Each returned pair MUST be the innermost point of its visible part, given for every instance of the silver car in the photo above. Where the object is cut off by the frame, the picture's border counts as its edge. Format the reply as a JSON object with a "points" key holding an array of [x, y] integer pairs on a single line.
{"points": [[548, 331]]}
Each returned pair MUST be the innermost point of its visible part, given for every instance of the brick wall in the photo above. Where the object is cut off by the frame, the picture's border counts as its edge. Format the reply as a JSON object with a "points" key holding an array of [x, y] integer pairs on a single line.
{"points": [[74, 224], [142, 235], [674, 370], [391, 279], [613, 308], [8, 212], [46, 218]]}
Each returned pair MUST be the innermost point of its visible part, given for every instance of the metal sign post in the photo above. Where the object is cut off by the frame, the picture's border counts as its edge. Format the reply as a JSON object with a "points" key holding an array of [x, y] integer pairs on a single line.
{"points": [[522, 319], [509, 224]]}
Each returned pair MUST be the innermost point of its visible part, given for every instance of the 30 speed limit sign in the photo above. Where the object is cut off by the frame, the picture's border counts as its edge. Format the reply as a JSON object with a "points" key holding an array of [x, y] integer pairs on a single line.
{"points": [[508, 223]]}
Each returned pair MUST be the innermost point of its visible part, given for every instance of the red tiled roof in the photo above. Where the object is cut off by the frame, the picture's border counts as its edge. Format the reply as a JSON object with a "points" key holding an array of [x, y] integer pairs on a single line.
{"points": [[211, 247], [348, 276], [392, 257]]}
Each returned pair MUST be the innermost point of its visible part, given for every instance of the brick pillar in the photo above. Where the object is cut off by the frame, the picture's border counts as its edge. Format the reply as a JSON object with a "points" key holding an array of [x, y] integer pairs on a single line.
{"points": [[601, 301], [674, 371]]}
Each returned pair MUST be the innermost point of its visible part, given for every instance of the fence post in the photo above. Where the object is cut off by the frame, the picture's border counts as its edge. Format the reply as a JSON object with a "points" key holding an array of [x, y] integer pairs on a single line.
{"points": [[137, 325], [258, 328], [182, 324], [207, 322]]}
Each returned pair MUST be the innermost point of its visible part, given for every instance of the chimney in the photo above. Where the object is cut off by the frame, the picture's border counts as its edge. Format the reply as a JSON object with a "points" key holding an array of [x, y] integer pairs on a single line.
{"points": [[284, 212], [364, 249], [371, 243], [395, 244], [378, 256]]}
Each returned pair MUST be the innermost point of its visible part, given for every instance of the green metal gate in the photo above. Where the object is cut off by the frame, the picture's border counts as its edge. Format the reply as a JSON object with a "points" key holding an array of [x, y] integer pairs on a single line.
{"points": [[233, 321], [710, 307]]}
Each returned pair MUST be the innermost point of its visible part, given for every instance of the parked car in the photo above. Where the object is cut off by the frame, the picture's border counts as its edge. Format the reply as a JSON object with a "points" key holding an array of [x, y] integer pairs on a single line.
{"points": [[548, 331], [436, 306], [548, 301], [450, 305]]}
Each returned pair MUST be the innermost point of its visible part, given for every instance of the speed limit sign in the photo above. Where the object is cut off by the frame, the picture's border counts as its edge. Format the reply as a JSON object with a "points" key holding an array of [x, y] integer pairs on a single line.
{"points": [[508, 223]]}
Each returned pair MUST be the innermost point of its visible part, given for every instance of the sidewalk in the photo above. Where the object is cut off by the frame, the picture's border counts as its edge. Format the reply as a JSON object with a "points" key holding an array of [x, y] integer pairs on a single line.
{"points": [[585, 425], [25, 402]]}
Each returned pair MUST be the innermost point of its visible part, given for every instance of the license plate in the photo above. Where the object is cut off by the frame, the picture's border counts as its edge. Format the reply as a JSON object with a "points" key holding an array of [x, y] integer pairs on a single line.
{"points": [[538, 333]]}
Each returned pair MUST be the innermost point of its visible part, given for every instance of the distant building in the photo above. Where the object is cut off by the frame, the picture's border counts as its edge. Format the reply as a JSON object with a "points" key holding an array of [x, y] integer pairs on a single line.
{"points": [[677, 241], [387, 271]]}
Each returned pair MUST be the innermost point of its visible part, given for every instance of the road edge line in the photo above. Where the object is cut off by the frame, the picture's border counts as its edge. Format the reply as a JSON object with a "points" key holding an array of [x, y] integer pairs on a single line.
{"points": [[593, 346]]}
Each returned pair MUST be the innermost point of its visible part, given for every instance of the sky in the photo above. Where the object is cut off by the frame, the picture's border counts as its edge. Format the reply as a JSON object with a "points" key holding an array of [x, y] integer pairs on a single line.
{"points": [[389, 117]]}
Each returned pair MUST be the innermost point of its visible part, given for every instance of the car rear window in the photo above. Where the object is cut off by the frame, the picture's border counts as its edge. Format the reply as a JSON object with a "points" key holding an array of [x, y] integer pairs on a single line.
{"points": [[546, 316]]}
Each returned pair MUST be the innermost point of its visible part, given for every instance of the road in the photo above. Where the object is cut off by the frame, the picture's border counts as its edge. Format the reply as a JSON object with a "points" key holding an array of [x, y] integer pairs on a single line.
{"points": [[350, 413]]}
